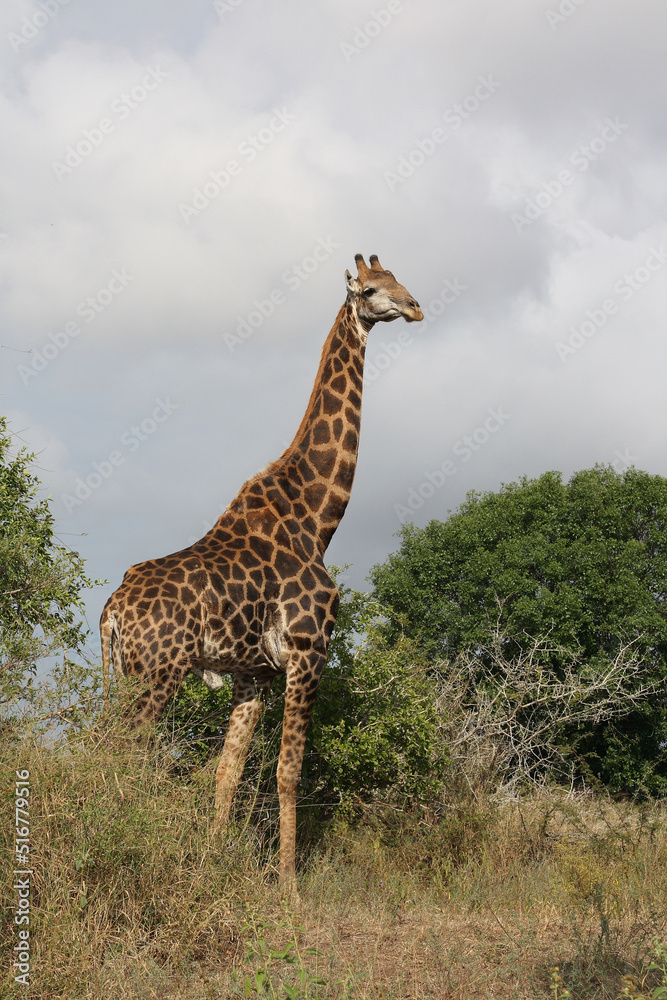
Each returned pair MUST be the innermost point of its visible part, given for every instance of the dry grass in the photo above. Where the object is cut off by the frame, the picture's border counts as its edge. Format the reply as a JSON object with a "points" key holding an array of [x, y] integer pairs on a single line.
{"points": [[134, 897]]}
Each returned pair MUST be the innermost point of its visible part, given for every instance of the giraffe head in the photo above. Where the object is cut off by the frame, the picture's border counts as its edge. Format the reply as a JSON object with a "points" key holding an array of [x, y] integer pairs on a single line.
{"points": [[377, 295]]}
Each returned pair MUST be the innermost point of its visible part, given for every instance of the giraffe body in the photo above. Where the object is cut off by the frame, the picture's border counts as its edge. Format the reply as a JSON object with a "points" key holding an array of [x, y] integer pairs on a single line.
{"points": [[252, 598]]}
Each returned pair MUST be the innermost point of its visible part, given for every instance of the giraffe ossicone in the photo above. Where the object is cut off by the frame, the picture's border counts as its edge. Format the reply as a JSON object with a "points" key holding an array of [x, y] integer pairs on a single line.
{"points": [[253, 598]]}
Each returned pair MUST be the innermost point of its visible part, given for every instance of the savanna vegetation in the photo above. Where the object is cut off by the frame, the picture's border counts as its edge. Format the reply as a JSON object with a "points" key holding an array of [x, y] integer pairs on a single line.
{"points": [[583, 565], [480, 812], [40, 580]]}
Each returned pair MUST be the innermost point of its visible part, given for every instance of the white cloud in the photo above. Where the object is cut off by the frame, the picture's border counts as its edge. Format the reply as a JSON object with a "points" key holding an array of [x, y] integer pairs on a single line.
{"points": [[322, 177]]}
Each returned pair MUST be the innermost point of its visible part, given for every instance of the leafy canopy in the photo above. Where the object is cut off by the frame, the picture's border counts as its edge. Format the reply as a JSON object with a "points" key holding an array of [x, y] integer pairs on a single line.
{"points": [[40, 581], [582, 562]]}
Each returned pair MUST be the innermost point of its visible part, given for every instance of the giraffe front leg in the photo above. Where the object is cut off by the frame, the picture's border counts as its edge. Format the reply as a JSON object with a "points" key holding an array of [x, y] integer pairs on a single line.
{"points": [[302, 681], [246, 708]]}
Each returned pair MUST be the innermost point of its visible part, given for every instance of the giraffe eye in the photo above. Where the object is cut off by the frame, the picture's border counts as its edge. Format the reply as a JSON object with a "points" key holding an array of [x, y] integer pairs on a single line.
{"points": [[368, 292]]}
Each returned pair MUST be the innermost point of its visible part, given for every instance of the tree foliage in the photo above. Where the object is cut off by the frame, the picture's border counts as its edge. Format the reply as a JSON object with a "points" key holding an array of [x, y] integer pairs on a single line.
{"points": [[40, 581], [376, 727], [583, 563]]}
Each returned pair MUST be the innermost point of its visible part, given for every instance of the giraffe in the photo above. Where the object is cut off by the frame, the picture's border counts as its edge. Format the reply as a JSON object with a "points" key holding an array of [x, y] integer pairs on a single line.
{"points": [[252, 598]]}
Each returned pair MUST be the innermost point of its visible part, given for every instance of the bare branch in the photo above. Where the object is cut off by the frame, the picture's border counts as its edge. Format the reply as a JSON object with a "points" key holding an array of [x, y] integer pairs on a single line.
{"points": [[501, 717]]}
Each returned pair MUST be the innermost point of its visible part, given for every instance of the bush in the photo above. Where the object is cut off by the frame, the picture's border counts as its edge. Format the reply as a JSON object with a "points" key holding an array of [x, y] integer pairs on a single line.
{"points": [[41, 606], [583, 563]]}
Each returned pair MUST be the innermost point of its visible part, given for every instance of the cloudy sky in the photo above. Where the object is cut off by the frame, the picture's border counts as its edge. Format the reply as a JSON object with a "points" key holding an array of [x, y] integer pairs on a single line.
{"points": [[184, 185]]}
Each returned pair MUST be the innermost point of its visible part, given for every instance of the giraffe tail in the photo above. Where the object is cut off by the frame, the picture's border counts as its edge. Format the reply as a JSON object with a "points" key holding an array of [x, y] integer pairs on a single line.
{"points": [[105, 638], [111, 653]]}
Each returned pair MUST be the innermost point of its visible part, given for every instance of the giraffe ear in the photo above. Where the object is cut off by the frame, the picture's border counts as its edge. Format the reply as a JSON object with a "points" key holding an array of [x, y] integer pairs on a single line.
{"points": [[352, 285]]}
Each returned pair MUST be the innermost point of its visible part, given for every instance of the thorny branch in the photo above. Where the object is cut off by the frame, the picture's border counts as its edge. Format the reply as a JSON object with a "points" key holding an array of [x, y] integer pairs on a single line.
{"points": [[501, 716]]}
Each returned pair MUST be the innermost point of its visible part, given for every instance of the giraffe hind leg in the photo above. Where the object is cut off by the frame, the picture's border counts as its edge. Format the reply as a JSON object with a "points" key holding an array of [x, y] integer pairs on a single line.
{"points": [[246, 708], [151, 703]]}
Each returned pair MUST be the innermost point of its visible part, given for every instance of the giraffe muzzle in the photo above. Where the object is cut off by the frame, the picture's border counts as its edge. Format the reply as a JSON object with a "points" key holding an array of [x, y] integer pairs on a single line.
{"points": [[412, 312]]}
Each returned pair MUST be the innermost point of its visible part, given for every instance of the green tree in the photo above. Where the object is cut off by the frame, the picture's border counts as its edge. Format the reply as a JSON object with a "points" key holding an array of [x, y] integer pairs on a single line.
{"points": [[583, 563], [40, 581]]}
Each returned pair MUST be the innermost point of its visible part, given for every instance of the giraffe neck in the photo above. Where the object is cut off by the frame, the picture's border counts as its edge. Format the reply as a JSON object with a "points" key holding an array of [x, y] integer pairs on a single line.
{"points": [[316, 471]]}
